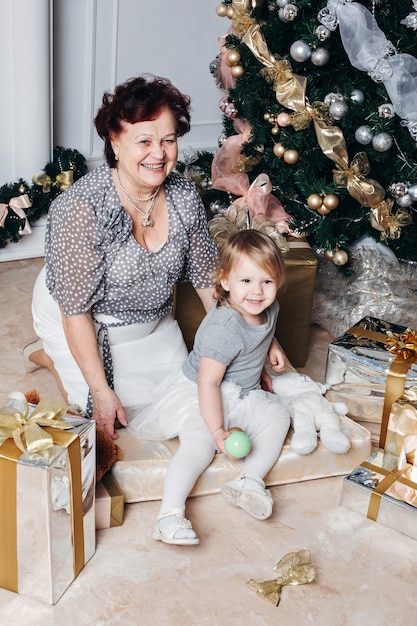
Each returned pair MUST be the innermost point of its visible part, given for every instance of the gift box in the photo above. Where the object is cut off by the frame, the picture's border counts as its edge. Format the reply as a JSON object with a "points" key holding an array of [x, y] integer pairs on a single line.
{"points": [[368, 370], [384, 487], [383, 493], [110, 503], [293, 328], [47, 515]]}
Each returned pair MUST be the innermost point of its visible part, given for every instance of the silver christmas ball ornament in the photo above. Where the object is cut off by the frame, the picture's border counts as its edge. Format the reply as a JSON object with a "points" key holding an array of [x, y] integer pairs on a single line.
{"points": [[338, 109], [364, 135], [300, 51], [332, 97], [357, 96], [386, 110], [398, 190], [320, 56], [404, 201], [412, 191], [282, 3], [288, 13], [322, 33], [382, 142]]}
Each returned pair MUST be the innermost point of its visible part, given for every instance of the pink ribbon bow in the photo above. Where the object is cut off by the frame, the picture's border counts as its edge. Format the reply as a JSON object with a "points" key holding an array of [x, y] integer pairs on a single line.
{"points": [[17, 204]]}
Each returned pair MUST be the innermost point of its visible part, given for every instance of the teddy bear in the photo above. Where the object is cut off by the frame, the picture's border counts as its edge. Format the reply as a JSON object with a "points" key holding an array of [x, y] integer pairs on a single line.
{"points": [[311, 413], [107, 452]]}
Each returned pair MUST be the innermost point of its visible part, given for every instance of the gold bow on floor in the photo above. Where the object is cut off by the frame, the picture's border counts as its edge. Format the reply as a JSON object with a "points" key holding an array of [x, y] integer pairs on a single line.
{"points": [[293, 569]]}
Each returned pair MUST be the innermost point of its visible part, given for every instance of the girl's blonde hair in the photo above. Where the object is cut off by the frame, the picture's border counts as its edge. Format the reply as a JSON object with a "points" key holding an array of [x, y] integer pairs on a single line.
{"points": [[259, 248]]}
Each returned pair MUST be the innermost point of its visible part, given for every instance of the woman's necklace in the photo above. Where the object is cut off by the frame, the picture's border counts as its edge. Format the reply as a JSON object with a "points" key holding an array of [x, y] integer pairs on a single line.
{"points": [[147, 221]]}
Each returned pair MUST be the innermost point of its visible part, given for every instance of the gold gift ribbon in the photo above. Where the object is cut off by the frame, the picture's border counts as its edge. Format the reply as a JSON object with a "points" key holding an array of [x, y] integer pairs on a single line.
{"points": [[62, 181], [396, 377], [290, 91], [9, 455], [389, 478], [294, 568]]}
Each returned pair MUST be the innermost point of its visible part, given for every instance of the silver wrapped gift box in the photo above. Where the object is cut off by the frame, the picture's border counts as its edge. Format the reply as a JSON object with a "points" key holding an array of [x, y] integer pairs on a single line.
{"points": [[358, 364]]}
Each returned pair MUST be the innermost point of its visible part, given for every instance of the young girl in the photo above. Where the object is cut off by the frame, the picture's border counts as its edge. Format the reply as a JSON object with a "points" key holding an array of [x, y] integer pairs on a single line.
{"points": [[219, 388]]}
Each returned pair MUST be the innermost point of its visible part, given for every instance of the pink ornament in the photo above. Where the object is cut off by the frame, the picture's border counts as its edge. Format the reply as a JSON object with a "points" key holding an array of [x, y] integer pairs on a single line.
{"points": [[223, 104], [283, 119], [231, 111]]}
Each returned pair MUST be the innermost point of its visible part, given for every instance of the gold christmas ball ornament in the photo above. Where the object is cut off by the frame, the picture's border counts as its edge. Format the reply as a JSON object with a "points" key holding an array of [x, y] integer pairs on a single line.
{"points": [[232, 58], [323, 210], [328, 255], [331, 201], [275, 130], [221, 9], [291, 156], [278, 150], [237, 71], [340, 257], [267, 116], [229, 12], [314, 201]]}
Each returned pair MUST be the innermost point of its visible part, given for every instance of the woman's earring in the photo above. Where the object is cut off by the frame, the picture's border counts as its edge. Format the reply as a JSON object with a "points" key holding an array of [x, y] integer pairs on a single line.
{"points": [[116, 158]]}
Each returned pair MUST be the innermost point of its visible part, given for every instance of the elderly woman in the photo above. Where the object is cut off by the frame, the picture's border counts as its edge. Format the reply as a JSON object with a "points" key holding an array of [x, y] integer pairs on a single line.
{"points": [[116, 243]]}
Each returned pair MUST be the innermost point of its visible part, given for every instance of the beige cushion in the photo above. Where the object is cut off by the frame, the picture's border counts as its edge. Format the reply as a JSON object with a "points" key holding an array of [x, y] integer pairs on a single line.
{"points": [[140, 473]]}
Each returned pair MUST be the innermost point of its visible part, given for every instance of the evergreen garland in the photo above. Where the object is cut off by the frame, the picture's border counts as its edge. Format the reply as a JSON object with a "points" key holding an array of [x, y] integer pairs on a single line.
{"points": [[65, 168]]}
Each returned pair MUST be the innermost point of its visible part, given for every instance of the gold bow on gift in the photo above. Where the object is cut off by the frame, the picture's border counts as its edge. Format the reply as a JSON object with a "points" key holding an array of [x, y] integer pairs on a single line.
{"points": [[386, 222], [62, 181], [18, 204], [25, 429], [404, 344], [293, 569]]}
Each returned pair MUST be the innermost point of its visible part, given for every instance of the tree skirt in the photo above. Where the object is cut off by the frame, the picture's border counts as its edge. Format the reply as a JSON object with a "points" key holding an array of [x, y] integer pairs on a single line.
{"points": [[382, 287]]}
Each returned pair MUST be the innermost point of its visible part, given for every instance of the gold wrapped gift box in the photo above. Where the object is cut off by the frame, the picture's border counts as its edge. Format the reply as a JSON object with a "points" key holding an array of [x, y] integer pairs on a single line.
{"points": [[384, 487], [47, 517], [358, 366], [293, 328], [110, 503]]}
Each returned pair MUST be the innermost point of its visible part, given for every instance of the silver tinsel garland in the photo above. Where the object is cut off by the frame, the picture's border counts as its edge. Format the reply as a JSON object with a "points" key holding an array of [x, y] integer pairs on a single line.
{"points": [[382, 287]]}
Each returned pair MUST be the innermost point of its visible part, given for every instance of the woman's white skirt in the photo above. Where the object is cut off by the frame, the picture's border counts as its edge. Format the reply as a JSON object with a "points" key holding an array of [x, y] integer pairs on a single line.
{"points": [[142, 354]]}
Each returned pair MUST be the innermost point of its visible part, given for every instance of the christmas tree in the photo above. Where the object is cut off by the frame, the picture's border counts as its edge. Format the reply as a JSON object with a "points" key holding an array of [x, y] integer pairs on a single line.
{"points": [[320, 114]]}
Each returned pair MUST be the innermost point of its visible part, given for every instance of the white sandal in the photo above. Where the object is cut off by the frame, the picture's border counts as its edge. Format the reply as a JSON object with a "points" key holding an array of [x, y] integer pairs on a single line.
{"points": [[179, 532], [257, 501], [27, 351]]}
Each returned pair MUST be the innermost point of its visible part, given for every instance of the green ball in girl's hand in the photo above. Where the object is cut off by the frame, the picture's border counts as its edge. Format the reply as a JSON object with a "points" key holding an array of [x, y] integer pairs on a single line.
{"points": [[237, 444]]}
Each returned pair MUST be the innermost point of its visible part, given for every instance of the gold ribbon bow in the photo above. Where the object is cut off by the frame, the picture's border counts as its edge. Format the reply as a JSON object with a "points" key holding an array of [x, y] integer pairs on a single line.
{"points": [[18, 204], [26, 430], [404, 344], [386, 222], [62, 181], [365, 190], [241, 19], [293, 569]]}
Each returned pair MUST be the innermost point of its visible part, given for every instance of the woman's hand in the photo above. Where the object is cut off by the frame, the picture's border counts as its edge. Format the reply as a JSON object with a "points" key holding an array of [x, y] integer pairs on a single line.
{"points": [[106, 408]]}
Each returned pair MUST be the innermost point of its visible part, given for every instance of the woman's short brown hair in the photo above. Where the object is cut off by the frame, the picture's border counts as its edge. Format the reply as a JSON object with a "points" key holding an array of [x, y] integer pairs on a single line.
{"points": [[258, 247], [140, 99]]}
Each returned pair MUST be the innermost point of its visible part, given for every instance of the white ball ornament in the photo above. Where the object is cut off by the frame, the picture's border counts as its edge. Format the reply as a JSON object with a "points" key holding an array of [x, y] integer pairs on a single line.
{"points": [[288, 13], [338, 109], [404, 201], [300, 51], [322, 33], [357, 96], [364, 135], [320, 56], [412, 192], [382, 142]]}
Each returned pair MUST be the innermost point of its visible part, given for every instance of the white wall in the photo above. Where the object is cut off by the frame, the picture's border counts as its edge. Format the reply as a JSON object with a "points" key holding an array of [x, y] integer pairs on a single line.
{"points": [[97, 44], [103, 42]]}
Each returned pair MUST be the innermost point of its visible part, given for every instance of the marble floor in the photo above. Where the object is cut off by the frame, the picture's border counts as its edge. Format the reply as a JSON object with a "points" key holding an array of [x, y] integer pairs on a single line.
{"points": [[365, 573]]}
